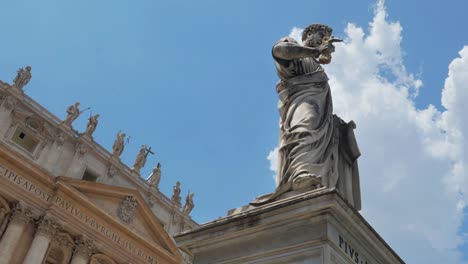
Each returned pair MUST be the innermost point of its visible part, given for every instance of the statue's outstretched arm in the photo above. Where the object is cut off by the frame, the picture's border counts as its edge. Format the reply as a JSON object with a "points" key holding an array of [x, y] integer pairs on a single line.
{"points": [[291, 51], [288, 50]]}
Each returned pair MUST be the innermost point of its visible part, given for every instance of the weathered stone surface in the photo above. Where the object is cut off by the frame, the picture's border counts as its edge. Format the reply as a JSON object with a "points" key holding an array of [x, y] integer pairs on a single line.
{"points": [[314, 227], [316, 147]]}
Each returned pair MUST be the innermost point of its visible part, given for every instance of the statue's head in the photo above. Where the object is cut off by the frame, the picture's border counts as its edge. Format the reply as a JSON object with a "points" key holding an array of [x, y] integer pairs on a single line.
{"points": [[96, 116], [77, 103], [316, 34], [28, 68]]}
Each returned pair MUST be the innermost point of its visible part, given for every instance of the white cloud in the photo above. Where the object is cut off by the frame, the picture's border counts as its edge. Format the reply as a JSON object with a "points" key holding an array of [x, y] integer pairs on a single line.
{"points": [[413, 168], [296, 33], [273, 158]]}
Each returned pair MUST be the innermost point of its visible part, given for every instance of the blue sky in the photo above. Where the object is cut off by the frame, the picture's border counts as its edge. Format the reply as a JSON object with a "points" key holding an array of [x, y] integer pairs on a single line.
{"points": [[195, 81]]}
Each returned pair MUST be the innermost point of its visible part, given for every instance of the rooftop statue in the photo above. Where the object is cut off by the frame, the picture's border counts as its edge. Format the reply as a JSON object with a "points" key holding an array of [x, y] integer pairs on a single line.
{"points": [[22, 78], [155, 177], [189, 205], [140, 160], [316, 148], [72, 113], [119, 144], [92, 124], [176, 194]]}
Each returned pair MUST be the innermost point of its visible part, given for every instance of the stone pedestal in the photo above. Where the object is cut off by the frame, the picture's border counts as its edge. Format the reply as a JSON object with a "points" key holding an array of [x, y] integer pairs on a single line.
{"points": [[315, 227]]}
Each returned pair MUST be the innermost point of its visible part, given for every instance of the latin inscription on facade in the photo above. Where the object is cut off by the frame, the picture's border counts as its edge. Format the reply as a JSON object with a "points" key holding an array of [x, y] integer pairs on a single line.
{"points": [[69, 207], [350, 251]]}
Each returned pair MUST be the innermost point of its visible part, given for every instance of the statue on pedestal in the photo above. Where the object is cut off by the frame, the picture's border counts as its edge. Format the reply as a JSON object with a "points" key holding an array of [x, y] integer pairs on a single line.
{"points": [[92, 124], [176, 195], [140, 160], [189, 205], [155, 177], [22, 78], [72, 113], [119, 145], [316, 148]]}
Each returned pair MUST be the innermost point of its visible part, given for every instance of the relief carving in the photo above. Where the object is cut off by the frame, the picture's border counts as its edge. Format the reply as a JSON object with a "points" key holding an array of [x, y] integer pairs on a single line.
{"points": [[21, 214], [9, 102], [127, 209], [84, 247], [48, 226]]}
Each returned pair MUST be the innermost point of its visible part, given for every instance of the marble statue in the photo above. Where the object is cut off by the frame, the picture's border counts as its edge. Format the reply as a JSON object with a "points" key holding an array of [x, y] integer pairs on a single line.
{"points": [[155, 177], [119, 144], [176, 194], [140, 160], [316, 148], [189, 205], [22, 78], [92, 124], [72, 113]]}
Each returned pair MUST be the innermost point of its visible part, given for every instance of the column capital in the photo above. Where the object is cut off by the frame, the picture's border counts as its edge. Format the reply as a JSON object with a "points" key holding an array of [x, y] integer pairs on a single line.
{"points": [[48, 226], [64, 239], [21, 214], [84, 247]]}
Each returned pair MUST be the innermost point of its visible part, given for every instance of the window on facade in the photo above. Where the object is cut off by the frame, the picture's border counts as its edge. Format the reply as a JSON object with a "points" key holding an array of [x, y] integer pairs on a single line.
{"points": [[89, 176], [25, 140]]}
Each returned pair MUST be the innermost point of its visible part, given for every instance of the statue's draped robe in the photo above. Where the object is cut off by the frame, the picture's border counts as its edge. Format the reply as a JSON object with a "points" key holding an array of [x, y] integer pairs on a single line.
{"points": [[313, 141]]}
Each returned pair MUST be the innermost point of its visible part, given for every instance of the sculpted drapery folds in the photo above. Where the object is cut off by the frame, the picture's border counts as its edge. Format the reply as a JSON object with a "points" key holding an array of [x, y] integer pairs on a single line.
{"points": [[22, 78], [119, 144], [316, 148], [72, 113], [189, 205], [92, 125], [140, 160], [155, 177]]}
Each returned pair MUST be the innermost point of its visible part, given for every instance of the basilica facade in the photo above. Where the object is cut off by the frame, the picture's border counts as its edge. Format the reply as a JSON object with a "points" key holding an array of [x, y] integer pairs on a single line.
{"points": [[66, 199]]}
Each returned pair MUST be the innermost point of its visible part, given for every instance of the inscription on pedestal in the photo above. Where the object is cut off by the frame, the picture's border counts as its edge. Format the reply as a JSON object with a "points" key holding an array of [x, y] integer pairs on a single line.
{"points": [[350, 251]]}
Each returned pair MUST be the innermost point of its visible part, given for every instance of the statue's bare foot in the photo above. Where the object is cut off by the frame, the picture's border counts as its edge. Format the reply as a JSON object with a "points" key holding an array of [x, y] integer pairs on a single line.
{"points": [[306, 180]]}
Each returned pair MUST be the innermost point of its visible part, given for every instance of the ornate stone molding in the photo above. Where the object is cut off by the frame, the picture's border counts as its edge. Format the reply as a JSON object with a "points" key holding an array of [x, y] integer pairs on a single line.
{"points": [[111, 171], [48, 226], [84, 247], [80, 150], [21, 214], [127, 209], [9, 102], [64, 239], [60, 138]]}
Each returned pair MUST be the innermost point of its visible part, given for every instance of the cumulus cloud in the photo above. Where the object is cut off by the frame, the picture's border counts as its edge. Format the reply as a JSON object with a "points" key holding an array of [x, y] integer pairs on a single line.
{"points": [[273, 159], [413, 168]]}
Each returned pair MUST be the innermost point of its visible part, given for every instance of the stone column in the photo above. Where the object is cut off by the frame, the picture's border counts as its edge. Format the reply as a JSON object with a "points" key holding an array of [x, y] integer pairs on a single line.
{"points": [[83, 250], [3, 220], [45, 232], [20, 218]]}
